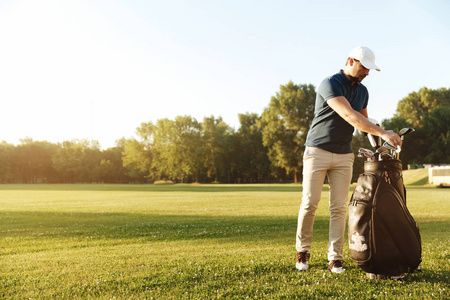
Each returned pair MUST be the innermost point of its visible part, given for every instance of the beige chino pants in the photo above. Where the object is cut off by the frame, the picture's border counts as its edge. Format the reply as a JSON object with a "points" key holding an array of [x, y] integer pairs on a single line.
{"points": [[317, 164]]}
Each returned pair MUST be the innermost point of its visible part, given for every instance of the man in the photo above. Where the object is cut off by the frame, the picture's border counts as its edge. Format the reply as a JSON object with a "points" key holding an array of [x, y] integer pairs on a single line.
{"points": [[341, 106]]}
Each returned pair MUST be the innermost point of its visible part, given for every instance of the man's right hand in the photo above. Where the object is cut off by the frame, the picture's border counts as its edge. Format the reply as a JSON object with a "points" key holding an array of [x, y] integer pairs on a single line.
{"points": [[392, 138]]}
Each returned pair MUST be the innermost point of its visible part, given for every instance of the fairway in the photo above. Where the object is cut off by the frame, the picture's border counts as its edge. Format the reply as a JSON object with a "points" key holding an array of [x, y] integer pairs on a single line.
{"points": [[193, 242]]}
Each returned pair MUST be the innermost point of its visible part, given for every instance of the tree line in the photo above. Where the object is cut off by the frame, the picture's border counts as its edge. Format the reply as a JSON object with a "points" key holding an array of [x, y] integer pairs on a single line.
{"points": [[265, 148]]}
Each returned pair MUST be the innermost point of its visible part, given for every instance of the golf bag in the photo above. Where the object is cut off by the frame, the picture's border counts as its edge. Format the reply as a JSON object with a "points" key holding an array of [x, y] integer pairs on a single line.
{"points": [[383, 236]]}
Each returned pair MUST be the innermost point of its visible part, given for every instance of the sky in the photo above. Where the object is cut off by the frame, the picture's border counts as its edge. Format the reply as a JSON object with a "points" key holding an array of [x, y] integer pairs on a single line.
{"points": [[97, 69]]}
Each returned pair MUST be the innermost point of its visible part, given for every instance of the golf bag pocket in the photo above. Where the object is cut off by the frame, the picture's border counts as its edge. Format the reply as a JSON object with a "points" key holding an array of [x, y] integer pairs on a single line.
{"points": [[360, 235], [360, 219]]}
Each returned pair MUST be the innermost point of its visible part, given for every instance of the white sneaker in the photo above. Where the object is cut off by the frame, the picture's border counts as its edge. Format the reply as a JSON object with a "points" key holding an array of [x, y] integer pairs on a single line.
{"points": [[302, 261], [302, 266], [337, 270], [335, 266]]}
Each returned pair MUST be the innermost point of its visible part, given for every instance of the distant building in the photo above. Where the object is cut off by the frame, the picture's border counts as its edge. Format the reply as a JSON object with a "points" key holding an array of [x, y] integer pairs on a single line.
{"points": [[439, 176]]}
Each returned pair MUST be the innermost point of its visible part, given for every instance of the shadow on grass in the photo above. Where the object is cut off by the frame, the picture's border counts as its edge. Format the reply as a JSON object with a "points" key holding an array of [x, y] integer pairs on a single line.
{"points": [[152, 228], [168, 227], [426, 275], [422, 181]]}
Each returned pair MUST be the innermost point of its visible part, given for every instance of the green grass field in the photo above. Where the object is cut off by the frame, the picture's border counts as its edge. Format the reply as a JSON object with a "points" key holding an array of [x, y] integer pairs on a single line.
{"points": [[192, 242]]}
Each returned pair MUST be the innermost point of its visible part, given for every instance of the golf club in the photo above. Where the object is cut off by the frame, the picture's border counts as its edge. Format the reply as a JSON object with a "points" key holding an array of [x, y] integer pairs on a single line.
{"points": [[393, 149], [362, 152], [402, 133], [372, 141], [369, 152], [390, 130], [405, 131], [384, 154], [380, 151], [376, 138]]}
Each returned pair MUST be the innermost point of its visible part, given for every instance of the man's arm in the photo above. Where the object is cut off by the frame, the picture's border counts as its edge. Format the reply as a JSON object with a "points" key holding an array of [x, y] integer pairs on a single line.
{"points": [[359, 120], [364, 112]]}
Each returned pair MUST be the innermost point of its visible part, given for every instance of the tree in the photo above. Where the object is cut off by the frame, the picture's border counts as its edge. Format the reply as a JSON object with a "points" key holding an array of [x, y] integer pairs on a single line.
{"points": [[215, 138], [285, 125], [395, 124], [436, 128], [137, 156], [252, 161], [416, 105], [6, 170], [111, 169], [427, 112], [177, 145], [32, 161], [188, 148], [76, 160], [164, 151]]}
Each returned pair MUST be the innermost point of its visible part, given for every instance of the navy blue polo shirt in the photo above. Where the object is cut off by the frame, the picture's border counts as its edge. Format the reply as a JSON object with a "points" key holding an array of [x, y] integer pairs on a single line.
{"points": [[328, 130]]}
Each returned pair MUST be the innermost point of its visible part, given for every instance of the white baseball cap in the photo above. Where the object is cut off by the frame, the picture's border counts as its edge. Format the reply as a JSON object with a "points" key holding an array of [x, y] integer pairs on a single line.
{"points": [[365, 56]]}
